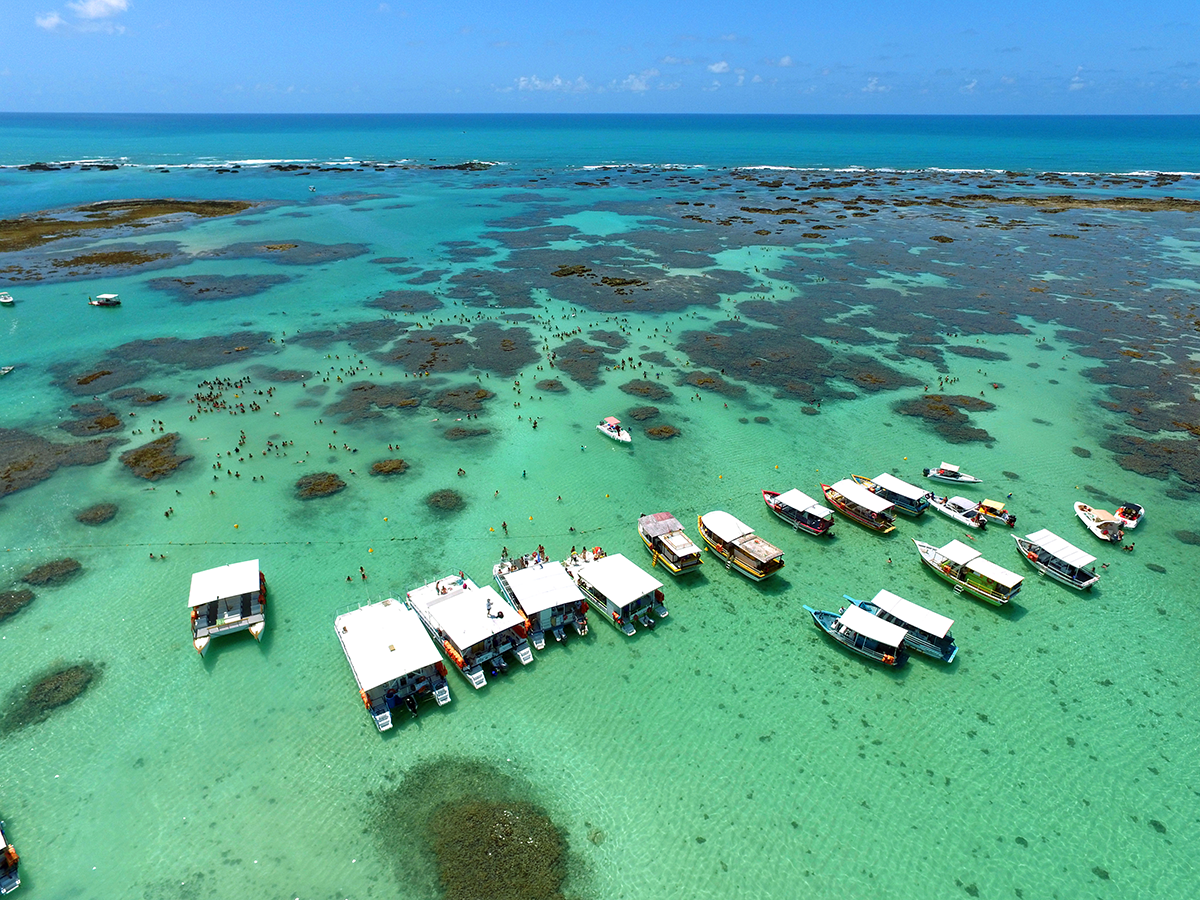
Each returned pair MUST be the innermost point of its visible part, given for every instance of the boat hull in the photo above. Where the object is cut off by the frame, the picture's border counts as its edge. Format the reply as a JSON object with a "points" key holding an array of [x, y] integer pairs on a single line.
{"points": [[928, 645], [621, 436], [961, 478], [969, 518], [1105, 529], [946, 573], [1044, 564], [824, 620], [883, 525]]}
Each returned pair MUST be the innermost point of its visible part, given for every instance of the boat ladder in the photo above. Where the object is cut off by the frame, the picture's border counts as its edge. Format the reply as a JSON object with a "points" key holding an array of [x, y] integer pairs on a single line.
{"points": [[383, 720], [442, 695], [653, 557], [525, 655], [475, 676], [729, 563], [958, 589]]}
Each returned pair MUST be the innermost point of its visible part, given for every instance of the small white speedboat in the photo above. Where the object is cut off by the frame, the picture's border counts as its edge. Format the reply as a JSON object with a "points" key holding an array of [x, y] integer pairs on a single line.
{"points": [[951, 474], [6, 299], [960, 509], [611, 427], [4, 370], [1100, 522], [1130, 514]]}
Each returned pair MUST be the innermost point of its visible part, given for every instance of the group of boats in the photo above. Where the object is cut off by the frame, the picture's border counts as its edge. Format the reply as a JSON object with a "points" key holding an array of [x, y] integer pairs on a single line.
{"points": [[886, 627]]}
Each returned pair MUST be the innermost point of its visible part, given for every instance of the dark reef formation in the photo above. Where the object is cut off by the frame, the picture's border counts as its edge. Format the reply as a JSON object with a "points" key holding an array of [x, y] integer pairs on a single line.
{"points": [[58, 571], [12, 602], [389, 467], [155, 460], [97, 514], [27, 459], [945, 414], [53, 690], [319, 484]]}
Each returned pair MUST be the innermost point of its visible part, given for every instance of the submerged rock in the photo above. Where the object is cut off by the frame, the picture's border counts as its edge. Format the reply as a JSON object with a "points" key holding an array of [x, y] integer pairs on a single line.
{"points": [[58, 688], [445, 500], [662, 432], [155, 460], [55, 572], [319, 484], [642, 413], [12, 602], [98, 514], [389, 467]]}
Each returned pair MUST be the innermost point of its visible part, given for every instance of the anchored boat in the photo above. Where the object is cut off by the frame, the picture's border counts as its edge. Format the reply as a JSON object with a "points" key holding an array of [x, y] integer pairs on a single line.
{"points": [[853, 500], [664, 537], [865, 634], [967, 570], [544, 593], [610, 426], [739, 545], [800, 511], [6, 299], [928, 632], [951, 474], [1130, 514], [618, 589], [995, 511], [960, 509], [227, 599], [1061, 560], [10, 878], [1100, 522], [106, 300], [474, 625], [907, 498], [394, 661]]}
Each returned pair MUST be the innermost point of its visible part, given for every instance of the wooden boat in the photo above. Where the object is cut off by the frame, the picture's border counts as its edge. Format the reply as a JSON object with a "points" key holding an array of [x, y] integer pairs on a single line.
{"points": [[10, 877], [995, 512], [393, 658], [105, 300], [664, 537], [952, 474], [1130, 514], [965, 568], [907, 498], [960, 509], [475, 626], [928, 632], [544, 593], [1061, 560], [622, 592], [227, 599], [854, 500], [800, 511], [611, 427], [1100, 522], [740, 547], [865, 634]]}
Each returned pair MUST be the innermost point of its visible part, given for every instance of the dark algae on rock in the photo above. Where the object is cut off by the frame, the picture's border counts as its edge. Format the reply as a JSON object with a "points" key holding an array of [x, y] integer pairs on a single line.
{"points": [[28, 705], [56, 572], [319, 484]]}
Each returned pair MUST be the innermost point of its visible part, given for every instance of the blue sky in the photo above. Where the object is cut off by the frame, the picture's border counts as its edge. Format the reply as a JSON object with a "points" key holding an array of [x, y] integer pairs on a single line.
{"points": [[612, 56]]}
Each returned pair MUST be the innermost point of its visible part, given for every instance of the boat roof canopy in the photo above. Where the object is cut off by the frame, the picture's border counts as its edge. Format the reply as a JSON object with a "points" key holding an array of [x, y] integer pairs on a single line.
{"points": [[998, 574], [891, 483], [724, 526], [873, 627], [107, 296], [1064, 550], [466, 613], [383, 642], [542, 586], [959, 553], [860, 496], [946, 467], [658, 524], [611, 420], [619, 579], [754, 546], [917, 616], [801, 501], [994, 505], [224, 582]]}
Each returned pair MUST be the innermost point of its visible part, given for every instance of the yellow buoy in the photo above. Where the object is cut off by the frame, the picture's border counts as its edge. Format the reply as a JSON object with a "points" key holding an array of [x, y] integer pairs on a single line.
{"points": [[531, 518], [491, 529], [235, 526], [370, 549]]}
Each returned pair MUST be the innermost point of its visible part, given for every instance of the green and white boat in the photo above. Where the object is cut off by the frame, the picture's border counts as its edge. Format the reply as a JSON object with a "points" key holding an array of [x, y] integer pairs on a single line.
{"points": [[967, 570]]}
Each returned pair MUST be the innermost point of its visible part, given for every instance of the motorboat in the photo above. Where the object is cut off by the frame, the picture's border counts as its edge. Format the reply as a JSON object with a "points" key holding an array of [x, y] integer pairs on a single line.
{"points": [[1130, 514], [620, 590], [965, 568], [853, 500], [664, 537], [105, 300], [865, 634], [1060, 559], [544, 593], [928, 632], [950, 474], [1101, 523], [907, 498], [960, 509], [610, 426], [4, 370], [226, 600], [739, 546], [995, 512], [6, 299], [800, 511]]}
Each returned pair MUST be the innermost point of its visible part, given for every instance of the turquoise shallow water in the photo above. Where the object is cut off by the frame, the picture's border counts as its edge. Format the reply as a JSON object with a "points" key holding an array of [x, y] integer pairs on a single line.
{"points": [[731, 752]]}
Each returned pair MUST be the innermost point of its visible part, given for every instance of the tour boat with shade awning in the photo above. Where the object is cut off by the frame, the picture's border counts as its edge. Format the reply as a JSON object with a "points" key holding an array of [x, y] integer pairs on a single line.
{"points": [[865, 634], [995, 511], [227, 599], [1101, 523], [474, 625], [10, 862], [664, 537], [393, 659], [106, 300], [740, 547], [800, 511], [965, 568], [544, 594], [907, 498], [928, 632], [1061, 560], [856, 502], [610, 426], [1130, 514], [951, 474], [621, 591], [960, 509]]}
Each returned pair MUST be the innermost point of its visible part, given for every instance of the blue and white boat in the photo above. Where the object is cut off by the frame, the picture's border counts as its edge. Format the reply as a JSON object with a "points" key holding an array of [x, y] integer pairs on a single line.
{"points": [[907, 498], [928, 632], [865, 634], [10, 878]]}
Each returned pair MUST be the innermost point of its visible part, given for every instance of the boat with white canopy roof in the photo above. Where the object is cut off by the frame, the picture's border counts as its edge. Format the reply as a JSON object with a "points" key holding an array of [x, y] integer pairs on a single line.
{"points": [[618, 589], [667, 542], [227, 599], [908, 498], [951, 474], [800, 511], [474, 625], [928, 632], [865, 634], [855, 501], [544, 593], [739, 546], [1061, 560], [394, 661], [965, 568]]}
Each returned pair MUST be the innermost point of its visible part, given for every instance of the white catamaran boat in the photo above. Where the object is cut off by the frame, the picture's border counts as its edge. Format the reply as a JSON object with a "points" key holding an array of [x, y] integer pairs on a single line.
{"points": [[474, 625], [545, 594], [960, 509], [611, 427], [740, 547], [800, 511], [951, 474], [227, 599], [1061, 560], [964, 567], [106, 300], [928, 632], [664, 537], [908, 498], [393, 659], [1101, 523], [618, 589]]}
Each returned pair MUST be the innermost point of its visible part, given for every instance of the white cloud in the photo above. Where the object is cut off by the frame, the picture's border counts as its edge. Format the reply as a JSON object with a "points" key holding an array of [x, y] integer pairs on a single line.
{"points": [[1077, 82], [383, 7], [557, 83], [719, 67], [90, 15], [874, 87], [637, 83], [98, 9], [786, 62], [50, 21], [757, 79], [969, 88]]}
